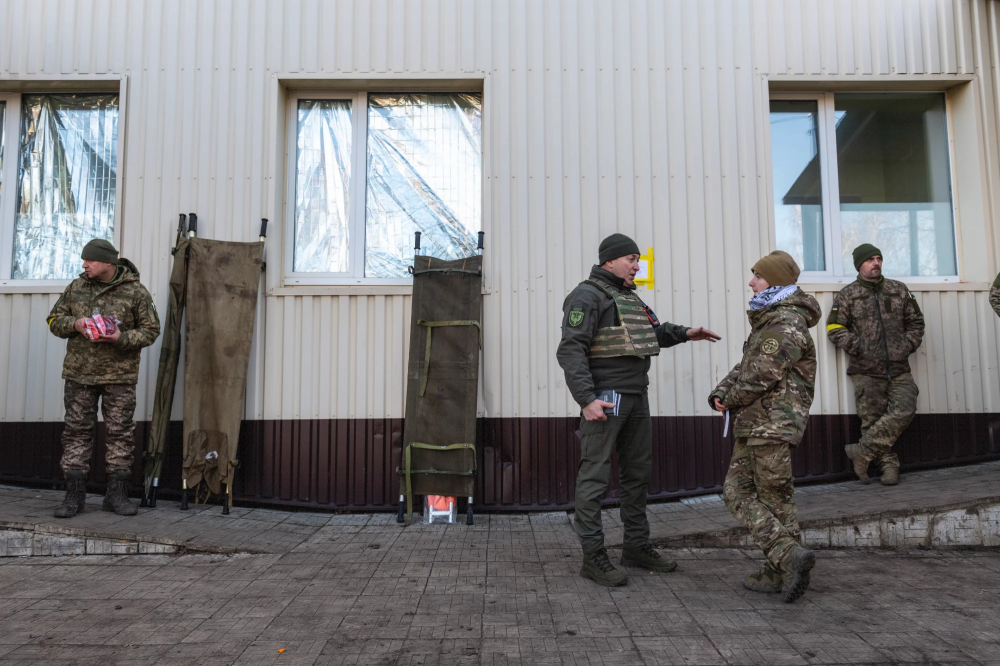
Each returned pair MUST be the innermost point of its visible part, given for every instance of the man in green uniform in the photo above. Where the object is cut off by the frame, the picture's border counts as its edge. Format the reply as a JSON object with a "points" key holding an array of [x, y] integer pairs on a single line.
{"points": [[879, 324], [995, 296], [770, 392], [105, 368], [608, 337]]}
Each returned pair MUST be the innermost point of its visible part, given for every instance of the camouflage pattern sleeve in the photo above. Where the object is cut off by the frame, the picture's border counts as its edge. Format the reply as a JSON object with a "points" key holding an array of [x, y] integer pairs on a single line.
{"points": [[668, 334], [913, 322], [777, 348], [838, 327], [61, 321], [995, 296], [147, 327], [723, 388]]}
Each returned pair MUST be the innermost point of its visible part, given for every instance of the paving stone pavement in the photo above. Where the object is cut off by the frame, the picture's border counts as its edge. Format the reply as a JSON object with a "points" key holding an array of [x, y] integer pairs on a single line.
{"points": [[506, 591], [271, 531]]}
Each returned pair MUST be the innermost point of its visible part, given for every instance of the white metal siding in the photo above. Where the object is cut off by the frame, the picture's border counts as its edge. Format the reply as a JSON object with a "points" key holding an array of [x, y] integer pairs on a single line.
{"points": [[644, 117]]}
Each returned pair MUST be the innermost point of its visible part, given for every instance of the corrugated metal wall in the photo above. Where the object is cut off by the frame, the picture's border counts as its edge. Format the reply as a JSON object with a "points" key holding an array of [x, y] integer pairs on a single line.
{"points": [[639, 116]]}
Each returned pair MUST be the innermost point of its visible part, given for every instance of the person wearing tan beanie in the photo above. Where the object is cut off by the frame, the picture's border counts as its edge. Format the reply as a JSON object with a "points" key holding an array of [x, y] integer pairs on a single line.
{"points": [[778, 268], [769, 392]]}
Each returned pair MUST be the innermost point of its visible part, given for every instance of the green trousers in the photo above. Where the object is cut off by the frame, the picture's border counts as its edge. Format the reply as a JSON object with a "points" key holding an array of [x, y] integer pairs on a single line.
{"points": [[758, 491], [631, 434], [886, 407]]}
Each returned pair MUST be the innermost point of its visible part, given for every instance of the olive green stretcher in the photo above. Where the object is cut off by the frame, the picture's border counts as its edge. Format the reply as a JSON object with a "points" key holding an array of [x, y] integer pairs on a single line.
{"points": [[215, 285], [442, 381]]}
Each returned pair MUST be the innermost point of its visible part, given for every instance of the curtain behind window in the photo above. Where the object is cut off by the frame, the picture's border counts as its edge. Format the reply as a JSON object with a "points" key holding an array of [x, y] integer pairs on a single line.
{"points": [[66, 182], [424, 174]]}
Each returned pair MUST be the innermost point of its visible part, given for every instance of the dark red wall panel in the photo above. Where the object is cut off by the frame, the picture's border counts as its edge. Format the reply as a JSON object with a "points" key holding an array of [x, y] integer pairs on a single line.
{"points": [[523, 464]]}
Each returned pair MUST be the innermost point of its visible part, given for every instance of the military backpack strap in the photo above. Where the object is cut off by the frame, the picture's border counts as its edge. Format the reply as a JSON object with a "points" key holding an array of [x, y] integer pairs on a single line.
{"points": [[437, 324]]}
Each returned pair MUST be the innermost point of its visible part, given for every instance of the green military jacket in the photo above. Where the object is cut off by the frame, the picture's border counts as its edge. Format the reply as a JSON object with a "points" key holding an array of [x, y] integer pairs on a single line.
{"points": [[586, 309], [97, 363], [995, 296], [771, 389], [878, 324]]}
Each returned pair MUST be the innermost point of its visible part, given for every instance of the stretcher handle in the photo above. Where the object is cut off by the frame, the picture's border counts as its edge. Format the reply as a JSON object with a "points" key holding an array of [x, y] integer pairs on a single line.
{"points": [[192, 225], [263, 228], [416, 243], [479, 247]]}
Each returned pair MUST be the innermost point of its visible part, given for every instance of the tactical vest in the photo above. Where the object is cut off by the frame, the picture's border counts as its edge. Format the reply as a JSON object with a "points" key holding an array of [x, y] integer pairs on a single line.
{"points": [[635, 336]]}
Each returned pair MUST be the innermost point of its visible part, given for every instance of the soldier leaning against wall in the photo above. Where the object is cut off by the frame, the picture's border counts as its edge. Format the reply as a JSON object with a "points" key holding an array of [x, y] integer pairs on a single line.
{"points": [[770, 391], [878, 323], [995, 296], [102, 365]]}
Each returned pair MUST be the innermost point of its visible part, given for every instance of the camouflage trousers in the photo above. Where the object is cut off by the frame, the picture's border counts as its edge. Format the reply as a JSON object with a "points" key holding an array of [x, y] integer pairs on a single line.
{"points": [[886, 407], [631, 434], [118, 408], [758, 491]]}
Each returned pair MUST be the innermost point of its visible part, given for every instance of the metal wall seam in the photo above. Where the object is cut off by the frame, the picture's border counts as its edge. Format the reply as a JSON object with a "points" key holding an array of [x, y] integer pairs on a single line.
{"points": [[642, 116]]}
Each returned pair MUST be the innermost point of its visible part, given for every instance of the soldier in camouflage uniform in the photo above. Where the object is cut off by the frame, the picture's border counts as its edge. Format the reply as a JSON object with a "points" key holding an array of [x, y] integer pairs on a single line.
{"points": [[769, 393], [608, 337], [106, 369], [995, 296], [879, 324]]}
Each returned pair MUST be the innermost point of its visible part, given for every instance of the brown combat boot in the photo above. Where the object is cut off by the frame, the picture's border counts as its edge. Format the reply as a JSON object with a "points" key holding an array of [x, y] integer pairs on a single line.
{"points": [[76, 495], [853, 452], [767, 580], [116, 498], [890, 476], [598, 568], [796, 575]]}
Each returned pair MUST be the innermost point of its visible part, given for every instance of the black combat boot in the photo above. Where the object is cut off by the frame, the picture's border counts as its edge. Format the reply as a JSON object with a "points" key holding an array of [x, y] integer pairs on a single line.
{"points": [[598, 568], [646, 557], [76, 495], [116, 499]]}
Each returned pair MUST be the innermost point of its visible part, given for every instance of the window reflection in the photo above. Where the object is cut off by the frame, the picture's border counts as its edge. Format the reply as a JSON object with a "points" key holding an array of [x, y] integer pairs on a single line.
{"points": [[798, 205], [895, 188]]}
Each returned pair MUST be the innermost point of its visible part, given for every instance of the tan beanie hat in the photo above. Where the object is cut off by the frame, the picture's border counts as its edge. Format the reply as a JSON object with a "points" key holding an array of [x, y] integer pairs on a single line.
{"points": [[778, 268]]}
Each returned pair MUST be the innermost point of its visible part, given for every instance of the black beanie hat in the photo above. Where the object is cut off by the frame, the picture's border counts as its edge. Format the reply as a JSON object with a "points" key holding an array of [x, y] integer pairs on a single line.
{"points": [[614, 246], [100, 250], [863, 253]]}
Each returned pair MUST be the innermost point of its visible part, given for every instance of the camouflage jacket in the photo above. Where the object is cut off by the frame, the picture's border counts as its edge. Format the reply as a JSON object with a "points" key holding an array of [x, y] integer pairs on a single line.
{"points": [[771, 389], [595, 309], [96, 363], [995, 296], [878, 324]]}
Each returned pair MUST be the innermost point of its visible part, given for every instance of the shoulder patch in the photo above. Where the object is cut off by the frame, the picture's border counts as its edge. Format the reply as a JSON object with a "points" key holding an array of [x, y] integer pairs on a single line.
{"points": [[769, 345], [575, 317]]}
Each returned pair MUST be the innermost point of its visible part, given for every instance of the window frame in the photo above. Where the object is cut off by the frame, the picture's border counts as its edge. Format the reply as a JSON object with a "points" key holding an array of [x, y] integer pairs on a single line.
{"points": [[8, 200], [357, 215], [830, 187]]}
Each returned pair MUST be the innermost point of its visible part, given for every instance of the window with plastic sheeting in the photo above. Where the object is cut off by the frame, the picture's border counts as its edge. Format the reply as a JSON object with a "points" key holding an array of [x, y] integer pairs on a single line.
{"points": [[59, 181], [854, 168], [370, 170]]}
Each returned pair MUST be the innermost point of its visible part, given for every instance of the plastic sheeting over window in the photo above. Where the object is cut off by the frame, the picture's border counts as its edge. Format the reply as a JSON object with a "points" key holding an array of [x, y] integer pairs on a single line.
{"points": [[3, 142], [322, 185], [66, 182], [424, 174]]}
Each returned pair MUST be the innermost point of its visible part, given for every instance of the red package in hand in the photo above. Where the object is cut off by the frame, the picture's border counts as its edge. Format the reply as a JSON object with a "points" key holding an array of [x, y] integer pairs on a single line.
{"points": [[99, 325], [90, 329]]}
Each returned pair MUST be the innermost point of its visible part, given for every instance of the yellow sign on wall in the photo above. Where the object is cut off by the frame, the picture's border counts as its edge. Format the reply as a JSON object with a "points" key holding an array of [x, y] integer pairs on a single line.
{"points": [[645, 274]]}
